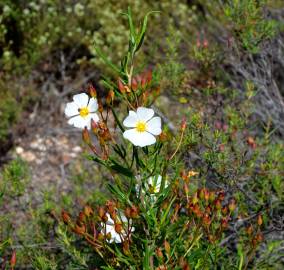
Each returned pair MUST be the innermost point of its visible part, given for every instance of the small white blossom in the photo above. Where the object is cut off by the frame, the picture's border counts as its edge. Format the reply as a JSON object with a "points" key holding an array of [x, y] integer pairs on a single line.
{"points": [[110, 228], [144, 127], [153, 185], [81, 111]]}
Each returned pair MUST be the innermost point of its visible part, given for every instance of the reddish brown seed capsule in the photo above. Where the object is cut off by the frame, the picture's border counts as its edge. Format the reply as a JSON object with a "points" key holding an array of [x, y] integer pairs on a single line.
{"points": [[65, 217]]}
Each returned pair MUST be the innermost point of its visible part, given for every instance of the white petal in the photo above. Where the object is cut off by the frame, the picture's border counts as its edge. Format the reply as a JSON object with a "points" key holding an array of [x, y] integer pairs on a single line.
{"points": [[93, 105], [156, 180], [114, 235], [131, 119], [82, 122], [81, 100], [139, 138], [154, 126], [109, 220], [71, 109], [78, 122], [145, 114]]}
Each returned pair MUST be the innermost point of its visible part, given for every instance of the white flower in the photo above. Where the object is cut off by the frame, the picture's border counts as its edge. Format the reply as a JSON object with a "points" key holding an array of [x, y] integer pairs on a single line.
{"points": [[143, 127], [110, 228], [81, 111], [154, 184]]}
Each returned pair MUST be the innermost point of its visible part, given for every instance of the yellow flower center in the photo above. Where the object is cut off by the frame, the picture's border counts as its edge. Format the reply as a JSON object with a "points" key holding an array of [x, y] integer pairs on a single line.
{"points": [[153, 189], [84, 111], [141, 126]]}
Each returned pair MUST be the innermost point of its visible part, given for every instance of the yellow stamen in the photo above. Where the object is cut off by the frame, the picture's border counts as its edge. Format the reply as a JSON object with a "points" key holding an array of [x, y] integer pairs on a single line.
{"points": [[141, 126], [153, 189], [84, 111]]}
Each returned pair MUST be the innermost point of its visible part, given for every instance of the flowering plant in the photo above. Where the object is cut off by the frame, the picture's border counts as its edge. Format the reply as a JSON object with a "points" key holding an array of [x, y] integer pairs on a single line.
{"points": [[159, 216]]}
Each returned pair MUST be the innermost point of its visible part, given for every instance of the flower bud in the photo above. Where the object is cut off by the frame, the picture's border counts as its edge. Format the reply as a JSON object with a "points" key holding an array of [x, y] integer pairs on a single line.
{"points": [[221, 195], [195, 198], [259, 220], [218, 125], [206, 194], [205, 43], [92, 91], [259, 237], [65, 217], [251, 142], [218, 204], [211, 196], [198, 43], [224, 223], [183, 264], [159, 253], [88, 211], [110, 205], [201, 193], [225, 210], [249, 230], [225, 127], [110, 97], [86, 136], [167, 247], [148, 77], [208, 209], [94, 126], [183, 124], [127, 212], [143, 81], [134, 84], [120, 86], [13, 259], [206, 220], [82, 217], [134, 212], [196, 210], [101, 212], [145, 97], [222, 147], [232, 205], [101, 108], [79, 229]]}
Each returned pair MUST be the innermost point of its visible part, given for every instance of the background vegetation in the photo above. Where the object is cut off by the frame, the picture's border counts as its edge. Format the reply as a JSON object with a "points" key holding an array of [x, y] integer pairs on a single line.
{"points": [[219, 63]]}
